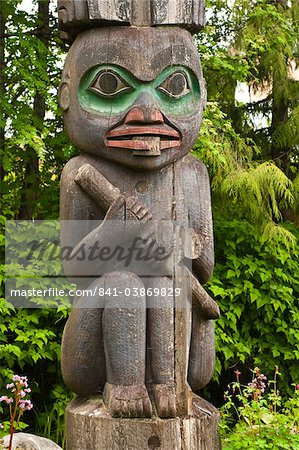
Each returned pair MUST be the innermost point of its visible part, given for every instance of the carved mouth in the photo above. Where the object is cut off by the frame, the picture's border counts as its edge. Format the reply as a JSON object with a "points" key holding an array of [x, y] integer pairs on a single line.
{"points": [[143, 140]]}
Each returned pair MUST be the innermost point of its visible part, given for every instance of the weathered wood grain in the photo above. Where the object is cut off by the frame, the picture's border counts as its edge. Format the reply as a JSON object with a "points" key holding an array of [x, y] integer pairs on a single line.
{"points": [[89, 426], [112, 10], [74, 15], [146, 355], [97, 186], [190, 13], [172, 12], [141, 13]]}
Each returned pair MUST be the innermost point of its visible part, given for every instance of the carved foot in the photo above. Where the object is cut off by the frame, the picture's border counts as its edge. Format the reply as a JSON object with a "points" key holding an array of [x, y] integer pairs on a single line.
{"points": [[165, 400], [127, 401]]}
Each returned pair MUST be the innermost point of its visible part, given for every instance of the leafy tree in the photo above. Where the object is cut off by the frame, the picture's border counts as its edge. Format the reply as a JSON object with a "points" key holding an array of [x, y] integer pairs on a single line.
{"points": [[251, 150], [35, 147], [254, 42], [33, 150]]}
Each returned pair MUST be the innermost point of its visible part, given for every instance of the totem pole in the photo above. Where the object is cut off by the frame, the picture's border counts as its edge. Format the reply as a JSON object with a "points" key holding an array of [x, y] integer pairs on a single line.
{"points": [[133, 95]]}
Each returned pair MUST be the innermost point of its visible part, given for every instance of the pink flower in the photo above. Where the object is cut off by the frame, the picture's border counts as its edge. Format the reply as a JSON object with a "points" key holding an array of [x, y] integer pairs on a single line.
{"points": [[21, 380], [10, 386], [25, 405], [6, 399], [28, 390], [238, 373], [1, 426], [22, 393]]}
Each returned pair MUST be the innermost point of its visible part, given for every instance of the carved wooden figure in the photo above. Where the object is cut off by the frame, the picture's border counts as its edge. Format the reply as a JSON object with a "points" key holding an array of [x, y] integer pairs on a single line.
{"points": [[133, 98]]}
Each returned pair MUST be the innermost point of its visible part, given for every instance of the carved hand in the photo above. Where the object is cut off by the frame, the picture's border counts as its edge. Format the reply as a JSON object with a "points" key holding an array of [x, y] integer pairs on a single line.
{"points": [[137, 209]]}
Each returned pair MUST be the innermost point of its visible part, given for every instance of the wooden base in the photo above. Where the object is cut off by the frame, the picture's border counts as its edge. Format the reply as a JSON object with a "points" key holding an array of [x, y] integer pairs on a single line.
{"points": [[90, 427]]}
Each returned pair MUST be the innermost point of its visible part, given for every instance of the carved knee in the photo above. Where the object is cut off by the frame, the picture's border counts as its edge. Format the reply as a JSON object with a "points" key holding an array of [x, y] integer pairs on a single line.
{"points": [[202, 354]]}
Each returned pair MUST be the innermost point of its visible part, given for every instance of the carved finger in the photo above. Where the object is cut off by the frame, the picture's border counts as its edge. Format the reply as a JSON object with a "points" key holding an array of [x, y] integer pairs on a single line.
{"points": [[132, 408], [147, 408], [172, 406], [163, 407], [139, 408], [142, 213], [131, 202], [124, 408], [138, 207], [147, 217]]}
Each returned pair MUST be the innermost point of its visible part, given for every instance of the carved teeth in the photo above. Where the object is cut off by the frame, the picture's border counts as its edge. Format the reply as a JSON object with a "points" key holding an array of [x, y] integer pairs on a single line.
{"points": [[152, 144], [143, 145]]}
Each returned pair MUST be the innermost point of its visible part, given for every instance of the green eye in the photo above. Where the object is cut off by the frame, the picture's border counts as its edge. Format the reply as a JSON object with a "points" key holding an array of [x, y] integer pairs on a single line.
{"points": [[176, 85], [109, 84]]}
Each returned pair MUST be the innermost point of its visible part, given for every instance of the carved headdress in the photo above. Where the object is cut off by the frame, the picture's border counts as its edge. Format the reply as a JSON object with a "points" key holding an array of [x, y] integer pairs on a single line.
{"points": [[77, 15]]}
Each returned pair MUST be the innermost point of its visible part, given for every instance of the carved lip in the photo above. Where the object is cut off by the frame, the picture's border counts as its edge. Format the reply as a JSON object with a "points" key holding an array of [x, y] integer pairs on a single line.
{"points": [[144, 139]]}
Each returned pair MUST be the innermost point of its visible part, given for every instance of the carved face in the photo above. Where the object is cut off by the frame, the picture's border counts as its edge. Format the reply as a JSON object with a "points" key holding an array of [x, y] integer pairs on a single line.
{"points": [[133, 95]]}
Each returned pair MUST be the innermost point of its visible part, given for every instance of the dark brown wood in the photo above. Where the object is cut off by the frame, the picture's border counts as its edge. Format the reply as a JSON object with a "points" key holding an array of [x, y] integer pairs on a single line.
{"points": [[172, 12], [182, 325], [133, 99]]}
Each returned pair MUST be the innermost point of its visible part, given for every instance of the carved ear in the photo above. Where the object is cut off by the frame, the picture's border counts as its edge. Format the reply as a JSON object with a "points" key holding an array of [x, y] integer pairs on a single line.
{"points": [[64, 96]]}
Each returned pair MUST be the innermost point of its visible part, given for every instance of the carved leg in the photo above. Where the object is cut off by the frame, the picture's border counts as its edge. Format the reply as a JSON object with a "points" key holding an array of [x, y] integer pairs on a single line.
{"points": [[124, 322], [83, 358], [202, 352], [161, 347]]}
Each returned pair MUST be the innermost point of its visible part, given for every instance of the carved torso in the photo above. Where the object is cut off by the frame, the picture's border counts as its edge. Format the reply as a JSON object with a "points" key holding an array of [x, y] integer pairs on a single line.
{"points": [[178, 192]]}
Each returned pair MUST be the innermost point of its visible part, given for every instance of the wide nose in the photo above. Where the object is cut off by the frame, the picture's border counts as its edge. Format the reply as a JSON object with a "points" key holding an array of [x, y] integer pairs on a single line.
{"points": [[144, 114]]}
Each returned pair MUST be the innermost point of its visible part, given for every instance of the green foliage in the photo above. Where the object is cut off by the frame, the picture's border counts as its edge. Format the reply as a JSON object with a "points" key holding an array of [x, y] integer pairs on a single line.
{"points": [[51, 422], [221, 148], [260, 190], [31, 77], [257, 287], [251, 151], [30, 344], [253, 419], [16, 402]]}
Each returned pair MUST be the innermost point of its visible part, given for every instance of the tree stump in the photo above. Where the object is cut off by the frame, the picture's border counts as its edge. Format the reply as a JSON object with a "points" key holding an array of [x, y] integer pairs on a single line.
{"points": [[89, 426]]}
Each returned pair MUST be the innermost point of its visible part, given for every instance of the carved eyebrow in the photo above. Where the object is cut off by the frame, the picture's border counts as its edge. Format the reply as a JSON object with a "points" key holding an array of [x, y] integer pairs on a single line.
{"points": [[130, 77]]}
